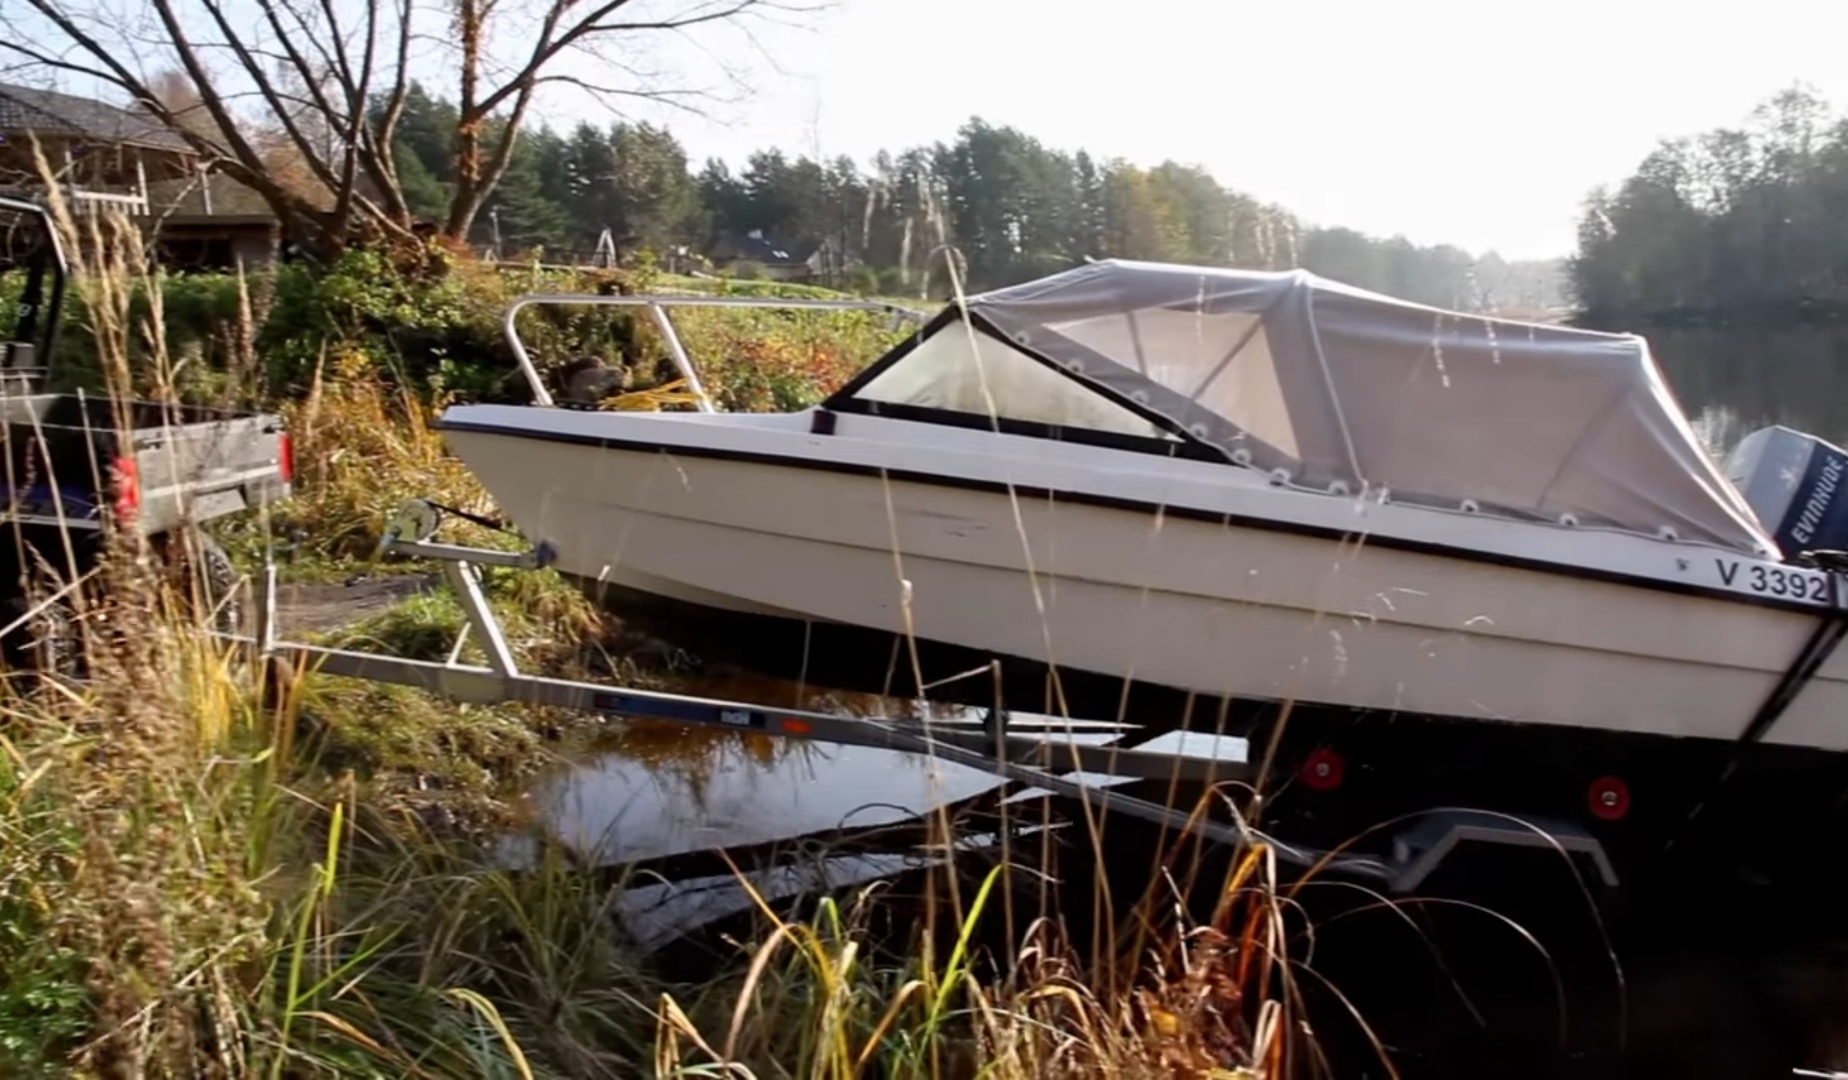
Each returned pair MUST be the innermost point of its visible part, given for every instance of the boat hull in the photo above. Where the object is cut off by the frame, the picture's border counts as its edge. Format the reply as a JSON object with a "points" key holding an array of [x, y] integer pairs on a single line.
{"points": [[1204, 607]]}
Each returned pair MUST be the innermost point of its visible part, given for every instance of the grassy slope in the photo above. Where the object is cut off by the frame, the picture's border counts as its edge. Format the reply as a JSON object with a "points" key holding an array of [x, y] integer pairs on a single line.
{"points": [[208, 867]]}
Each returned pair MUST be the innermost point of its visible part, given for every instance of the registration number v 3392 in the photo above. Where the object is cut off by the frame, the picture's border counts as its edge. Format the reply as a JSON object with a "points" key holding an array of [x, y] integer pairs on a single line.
{"points": [[1774, 580]]}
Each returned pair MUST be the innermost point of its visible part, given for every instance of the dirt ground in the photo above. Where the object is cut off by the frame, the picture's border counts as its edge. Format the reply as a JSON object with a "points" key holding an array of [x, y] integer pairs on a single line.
{"points": [[313, 608]]}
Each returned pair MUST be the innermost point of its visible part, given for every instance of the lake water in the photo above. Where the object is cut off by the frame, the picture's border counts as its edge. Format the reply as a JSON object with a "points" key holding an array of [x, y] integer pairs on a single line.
{"points": [[1732, 382], [724, 790], [661, 793]]}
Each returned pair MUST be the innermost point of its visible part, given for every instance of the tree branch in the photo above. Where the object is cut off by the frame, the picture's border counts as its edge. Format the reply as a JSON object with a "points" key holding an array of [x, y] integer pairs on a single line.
{"points": [[309, 77], [382, 163], [314, 91], [244, 163]]}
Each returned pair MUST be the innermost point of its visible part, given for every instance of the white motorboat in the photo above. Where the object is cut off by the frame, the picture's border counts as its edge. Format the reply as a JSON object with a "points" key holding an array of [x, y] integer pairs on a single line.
{"points": [[1262, 486]]}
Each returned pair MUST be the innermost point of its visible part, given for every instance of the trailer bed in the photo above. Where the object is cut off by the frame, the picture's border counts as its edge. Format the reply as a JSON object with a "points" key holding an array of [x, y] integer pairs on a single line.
{"points": [[76, 462]]}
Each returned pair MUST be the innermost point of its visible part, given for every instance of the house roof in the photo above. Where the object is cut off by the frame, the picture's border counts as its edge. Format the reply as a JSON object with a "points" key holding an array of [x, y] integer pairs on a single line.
{"points": [[25, 109], [754, 246]]}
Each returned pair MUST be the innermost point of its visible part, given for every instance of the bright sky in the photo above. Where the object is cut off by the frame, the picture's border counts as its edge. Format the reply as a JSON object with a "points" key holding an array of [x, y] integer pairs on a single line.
{"points": [[1445, 120]]}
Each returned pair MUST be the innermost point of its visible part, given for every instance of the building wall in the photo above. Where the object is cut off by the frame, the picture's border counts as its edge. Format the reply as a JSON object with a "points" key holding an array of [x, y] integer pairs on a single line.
{"points": [[205, 245]]}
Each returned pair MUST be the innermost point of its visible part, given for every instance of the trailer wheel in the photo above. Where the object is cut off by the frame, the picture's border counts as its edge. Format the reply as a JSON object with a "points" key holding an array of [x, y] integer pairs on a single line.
{"points": [[201, 569], [34, 564], [47, 644]]}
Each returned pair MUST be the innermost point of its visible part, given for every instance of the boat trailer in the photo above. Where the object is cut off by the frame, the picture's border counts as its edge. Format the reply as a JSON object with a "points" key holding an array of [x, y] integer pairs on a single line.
{"points": [[1040, 753]]}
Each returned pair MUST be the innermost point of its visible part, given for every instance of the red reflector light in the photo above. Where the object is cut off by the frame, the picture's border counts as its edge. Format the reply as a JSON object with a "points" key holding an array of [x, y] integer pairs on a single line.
{"points": [[1609, 798], [127, 489], [1324, 770], [285, 457]]}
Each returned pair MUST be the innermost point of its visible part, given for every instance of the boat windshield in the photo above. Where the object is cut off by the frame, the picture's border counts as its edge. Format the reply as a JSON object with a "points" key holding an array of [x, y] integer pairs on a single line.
{"points": [[960, 369]]}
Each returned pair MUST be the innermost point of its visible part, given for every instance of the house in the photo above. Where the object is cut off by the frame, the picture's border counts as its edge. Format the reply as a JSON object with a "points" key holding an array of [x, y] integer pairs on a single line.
{"points": [[103, 155], [210, 221], [100, 154], [734, 252]]}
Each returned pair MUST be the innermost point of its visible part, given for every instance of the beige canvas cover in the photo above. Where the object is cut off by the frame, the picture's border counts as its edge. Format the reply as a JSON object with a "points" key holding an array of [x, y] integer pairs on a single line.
{"points": [[1344, 388]]}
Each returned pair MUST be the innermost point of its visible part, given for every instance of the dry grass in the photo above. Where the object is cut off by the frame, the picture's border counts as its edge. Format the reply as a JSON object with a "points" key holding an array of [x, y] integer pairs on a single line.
{"points": [[205, 894], [211, 868], [361, 449]]}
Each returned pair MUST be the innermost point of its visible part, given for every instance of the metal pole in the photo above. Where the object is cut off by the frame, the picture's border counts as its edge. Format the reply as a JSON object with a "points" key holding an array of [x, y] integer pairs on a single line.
{"points": [[679, 353]]}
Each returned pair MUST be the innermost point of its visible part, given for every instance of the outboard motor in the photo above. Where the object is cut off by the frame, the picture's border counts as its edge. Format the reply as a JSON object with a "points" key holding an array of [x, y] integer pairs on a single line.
{"points": [[1797, 484]]}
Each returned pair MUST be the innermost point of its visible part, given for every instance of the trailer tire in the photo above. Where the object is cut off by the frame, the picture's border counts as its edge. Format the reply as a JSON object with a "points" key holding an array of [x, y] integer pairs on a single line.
{"points": [[35, 562], [48, 644], [198, 562]]}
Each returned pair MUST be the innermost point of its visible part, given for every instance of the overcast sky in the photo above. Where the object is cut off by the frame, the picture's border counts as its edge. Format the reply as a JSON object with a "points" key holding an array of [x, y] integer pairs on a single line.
{"points": [[1444, 120]]}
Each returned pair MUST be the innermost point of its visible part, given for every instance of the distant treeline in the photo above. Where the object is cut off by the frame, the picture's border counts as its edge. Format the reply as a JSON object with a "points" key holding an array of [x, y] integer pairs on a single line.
{"points": [[1011, 206], [1738, 225]]}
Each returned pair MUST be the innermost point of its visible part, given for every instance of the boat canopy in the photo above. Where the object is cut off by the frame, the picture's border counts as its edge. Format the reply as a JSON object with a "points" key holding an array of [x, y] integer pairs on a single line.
{"points": [[1337, 388]]}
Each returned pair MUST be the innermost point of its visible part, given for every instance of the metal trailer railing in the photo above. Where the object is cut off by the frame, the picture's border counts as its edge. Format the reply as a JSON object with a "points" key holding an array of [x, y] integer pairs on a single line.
{"points": [[1015, 748], [657, 305]]}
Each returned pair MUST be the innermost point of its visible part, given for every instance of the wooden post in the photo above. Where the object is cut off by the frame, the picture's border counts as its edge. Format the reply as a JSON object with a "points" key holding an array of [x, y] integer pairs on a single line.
{"points": [[70, 175]]}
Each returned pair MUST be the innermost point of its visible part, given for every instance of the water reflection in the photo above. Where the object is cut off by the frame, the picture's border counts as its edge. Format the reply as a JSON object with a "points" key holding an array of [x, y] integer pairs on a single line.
{"points": [[1732, 381], [669, 791], [658, 791], [656, 913], [616, 808]]}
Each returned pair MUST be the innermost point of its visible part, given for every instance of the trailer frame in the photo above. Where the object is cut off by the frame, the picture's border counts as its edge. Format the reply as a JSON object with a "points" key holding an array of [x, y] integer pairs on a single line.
{"points": [[1024, 750]]}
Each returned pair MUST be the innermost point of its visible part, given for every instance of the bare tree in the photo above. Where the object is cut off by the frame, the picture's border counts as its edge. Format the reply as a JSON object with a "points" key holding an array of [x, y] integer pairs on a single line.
{"points": [[262, 89]]}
